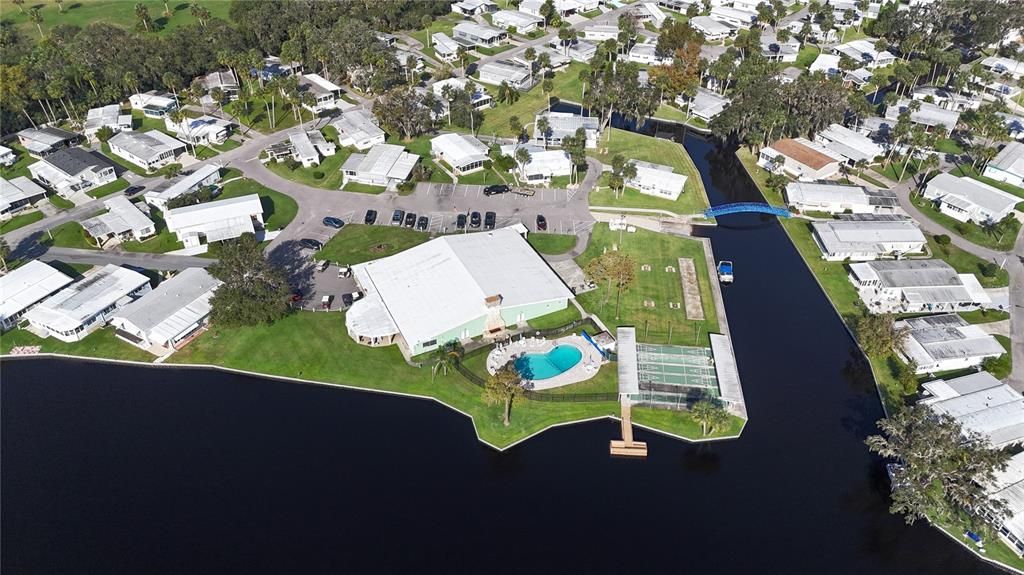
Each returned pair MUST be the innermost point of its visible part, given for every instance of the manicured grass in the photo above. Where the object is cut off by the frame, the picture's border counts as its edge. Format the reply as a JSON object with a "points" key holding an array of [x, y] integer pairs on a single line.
{"points": [[360, 188], [107, 189], [659, 251], [666, 152], [421, 147], [984, 316], [278, 209], [1001, 367], [808, 53], [443, 24], [567, 86], [230, 174], [256, 117], [84, 12], [949, 146], [495, 49], [968, 231], [966, 263], [100, 343], [328, 354], [204, 152], [69, 235], [19, 167], [329, 170], [682, 423], [356, 243], [894, 169], [864, 176], [60, 203], [164, 241], [969, 171], [21, 221], [606, 380], [552, 243], [142, 123], [556, 318], [486, 177], [73, 270], [670, 113]]}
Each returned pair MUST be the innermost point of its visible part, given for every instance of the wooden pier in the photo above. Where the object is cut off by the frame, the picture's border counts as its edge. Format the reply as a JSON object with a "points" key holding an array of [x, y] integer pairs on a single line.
{"points": [[626, 446]]}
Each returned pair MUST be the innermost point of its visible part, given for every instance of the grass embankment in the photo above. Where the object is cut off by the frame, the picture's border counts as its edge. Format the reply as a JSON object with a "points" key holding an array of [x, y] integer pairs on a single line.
{"points": [[328, 354], [360, 188], [21, 221], [85, 12], [566, 86], [969, 231], [552, 244], [278, 209], [107, 189], [967, 263], [682, 424], [653, 324], [357, 243], [670, 113], [101, 343], [164, 241], [666, 152], [327, 175], [69, 235], [60, 203], [555, 318]]}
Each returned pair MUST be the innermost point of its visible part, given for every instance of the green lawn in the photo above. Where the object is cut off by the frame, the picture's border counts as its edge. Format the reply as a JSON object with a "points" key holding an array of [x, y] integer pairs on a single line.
{"points": [[807, 55], [107, 189], [968, 231], [442, 24], [421, 147], [485, 177], [72, 270], [949, 146], [360, 188], [556, 318], [70, 235], [653, 324], [84, 12], [894, 169], [205, 152], [329, 354], [256, 117], [681, 423], [20, 167], [666, 152], [100, 343], [864, 176], [329, 171], [60, 203], [164, 241], [21, 221], [984, 316], [552, 243], [670, 113], [495, 49], [966, 263], [356, 243], [567, 86], [278, 209]]}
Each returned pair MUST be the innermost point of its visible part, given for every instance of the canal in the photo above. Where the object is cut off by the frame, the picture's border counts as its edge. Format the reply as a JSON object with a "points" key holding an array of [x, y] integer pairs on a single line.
{"points": [[135, 470]]}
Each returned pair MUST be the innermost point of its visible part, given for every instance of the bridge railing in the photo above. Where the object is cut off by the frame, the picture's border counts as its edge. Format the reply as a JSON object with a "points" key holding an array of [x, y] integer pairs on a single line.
{"points": [[746, 207]]}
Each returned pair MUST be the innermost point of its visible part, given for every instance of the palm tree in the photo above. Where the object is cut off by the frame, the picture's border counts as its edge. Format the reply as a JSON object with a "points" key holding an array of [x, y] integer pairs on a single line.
{"points": [[448, 357], [36, 18], [171, 171], [19, 4], [199, 13], [5, 252], [522, 158], [142, 13], [167, 10], [547, 87], [505, 388], [60, 5], [543, 126], [711, 415]]}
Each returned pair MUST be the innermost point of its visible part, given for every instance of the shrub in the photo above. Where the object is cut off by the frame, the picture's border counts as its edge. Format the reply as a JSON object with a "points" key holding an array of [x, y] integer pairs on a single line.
{"points": [[406, 186], [292, 164], [989, 270], [943, 240], [318, 175]]}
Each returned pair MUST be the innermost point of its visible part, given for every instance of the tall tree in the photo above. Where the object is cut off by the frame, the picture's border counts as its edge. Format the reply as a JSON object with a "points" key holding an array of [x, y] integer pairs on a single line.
{"points": [[142, 15], [446, 358], [254, 290], [543, 128], [403, 111], [5, 252], [504, 387], [710, 413], [615, 268], [877, 333], [36, 18]]}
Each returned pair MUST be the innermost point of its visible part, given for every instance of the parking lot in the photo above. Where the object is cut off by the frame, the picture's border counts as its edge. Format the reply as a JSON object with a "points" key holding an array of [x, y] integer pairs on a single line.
{"points": [[460, 193]]}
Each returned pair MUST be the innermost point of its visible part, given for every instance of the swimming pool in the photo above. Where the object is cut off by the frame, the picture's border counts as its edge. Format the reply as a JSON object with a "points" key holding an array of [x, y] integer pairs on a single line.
{"points": [[547, 365]]}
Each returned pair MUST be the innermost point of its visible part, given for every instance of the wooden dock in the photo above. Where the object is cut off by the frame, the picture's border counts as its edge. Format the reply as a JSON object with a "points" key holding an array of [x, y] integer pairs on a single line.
{"points": [[626, 446]]}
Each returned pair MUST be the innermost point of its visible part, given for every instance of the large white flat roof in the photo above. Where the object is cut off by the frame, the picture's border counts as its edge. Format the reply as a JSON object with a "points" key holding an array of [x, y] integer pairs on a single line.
{"points": [[459, 149], [211, 212], [172, 307], [443, 284], [1010, 159], [99, 289], [28, 284], [936, 338], [122, 216]]}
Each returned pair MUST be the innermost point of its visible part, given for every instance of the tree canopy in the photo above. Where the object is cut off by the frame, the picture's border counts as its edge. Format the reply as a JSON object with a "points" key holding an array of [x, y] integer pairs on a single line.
{"points": [[254, 290]]}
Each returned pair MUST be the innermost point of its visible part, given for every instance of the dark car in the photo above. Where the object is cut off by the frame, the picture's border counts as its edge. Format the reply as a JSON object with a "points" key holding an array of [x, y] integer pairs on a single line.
{"points": [[132, 190], [397, 217], [371, 217], [346, 300], [542, 223], [423, 223], [496, 189], [460, 222], [489, 219], [410, 220], [333, 222], [474, 220], [295, 294], [311, 244]]}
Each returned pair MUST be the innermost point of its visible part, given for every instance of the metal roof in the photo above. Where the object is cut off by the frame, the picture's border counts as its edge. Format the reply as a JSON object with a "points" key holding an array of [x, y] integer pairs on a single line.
{"points": [[27, 284], [358, 126], [101, 288], [971, 193], [18, 189], [302, 146], [928, 114], [145, 145], [122, 216], [565, 124], [383, 161], [845, 236], [173, 307], [932, 339], [212, 214], [1010, 159], [459, 149], [185, 184]]}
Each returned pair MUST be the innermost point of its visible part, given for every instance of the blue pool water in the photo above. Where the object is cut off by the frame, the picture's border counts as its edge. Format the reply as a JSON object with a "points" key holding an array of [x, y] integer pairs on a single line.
{"points": [[548, 365]]}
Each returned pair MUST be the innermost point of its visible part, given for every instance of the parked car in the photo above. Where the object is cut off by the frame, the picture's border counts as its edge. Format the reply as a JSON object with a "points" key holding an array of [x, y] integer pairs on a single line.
{"points": [[344, 272], [332, 222], [423, 223], [410, 220], [542, 223], [295, 294], [371, 217], [397, 217], [474, 220], [312, 244], [323, 265], [489, 219], [132, 190], [347, 299], [325, 303], [495, 189], [460, 222]]}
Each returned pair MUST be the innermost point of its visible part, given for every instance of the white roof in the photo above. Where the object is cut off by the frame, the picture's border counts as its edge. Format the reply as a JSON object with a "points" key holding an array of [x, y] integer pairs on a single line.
{"points": [[477, 30], [707, 103], [819, 193], [443, 44], [109, 115], [846, 236], [213, 213], [1000, 64], [825, 63], [944, 389], [970, 192], [18, 189], [733, 13], [357, 125], [564, 124], [146, 145], [1010, 159], [122, 216], [659, 177], [318, 83], [547, 162], [172, 307], [710, 26], [1008, 485], [302, 146], [515, 18], [99, 289], [928, 114], [459, 149], [850, 144], [863, 50], [384, 161], [152, 99], [923, 281], [185, 184], [27, 284], [461, 270], [935, 338], [628, 366]]}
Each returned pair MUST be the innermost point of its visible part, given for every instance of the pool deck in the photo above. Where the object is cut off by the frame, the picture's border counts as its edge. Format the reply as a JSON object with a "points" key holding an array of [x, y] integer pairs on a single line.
{"points": [[582, 371]]}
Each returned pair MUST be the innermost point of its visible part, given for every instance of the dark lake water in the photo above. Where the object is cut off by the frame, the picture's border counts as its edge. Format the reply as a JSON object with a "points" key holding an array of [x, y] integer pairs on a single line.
{"points": [[135, 470]]}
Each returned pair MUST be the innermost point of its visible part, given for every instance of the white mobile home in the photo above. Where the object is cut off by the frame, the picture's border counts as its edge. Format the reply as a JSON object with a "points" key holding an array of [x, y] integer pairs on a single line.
{"points": [[326, 94], [225, 80], [1008, 165], [153, 104], [800, 158], [204, 175], [24, 287], [123, 221], [40, 142], [984, 405], [479, 35], [968, 200], [647, 54], [852, 146], [86, 305], [73, 170], [542, 164], [1004, 66], [18, 194], [704, 105], [201, 130], [712, 29], [215, 221], [866, 240], [474, 7], [835, 198], [7, 156], [945, 342], [358, 129], [106, 117], [149, 150], [929, 115], [733, 17], [303, 150], [167, 317], [864, 53], [465, 154], [447, 50], [916, 286], [523, 23], [565, 124], [657, 180], [509, 71], [384, 165]]}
